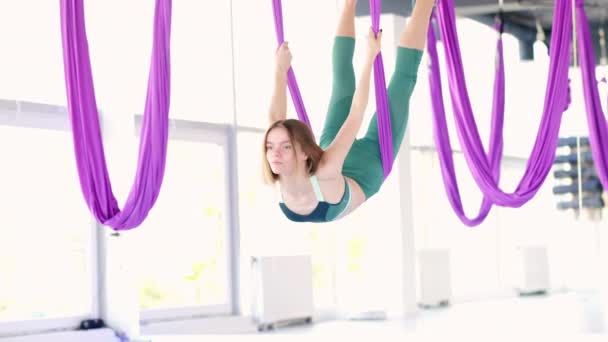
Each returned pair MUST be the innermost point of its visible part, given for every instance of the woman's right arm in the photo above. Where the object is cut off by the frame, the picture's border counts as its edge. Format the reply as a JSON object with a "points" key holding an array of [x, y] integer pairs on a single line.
{"points": [[335, 154], [278, 103]]}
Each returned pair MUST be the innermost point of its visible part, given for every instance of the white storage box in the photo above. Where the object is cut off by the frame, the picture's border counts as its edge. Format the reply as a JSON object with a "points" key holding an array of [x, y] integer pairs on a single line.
{"points": [[434, 277], [532, 265], [282, 290]]}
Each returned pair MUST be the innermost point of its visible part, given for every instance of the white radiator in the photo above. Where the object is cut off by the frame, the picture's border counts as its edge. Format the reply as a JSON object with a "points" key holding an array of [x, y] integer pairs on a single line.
{"points": [[434, 275], [282, 290], [532, 266]]}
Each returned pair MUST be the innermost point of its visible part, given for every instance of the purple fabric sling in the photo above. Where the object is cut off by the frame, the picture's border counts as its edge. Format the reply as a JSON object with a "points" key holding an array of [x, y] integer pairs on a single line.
{"points": [[541, 158], [598, 130], [441, 133], [84, 120]]}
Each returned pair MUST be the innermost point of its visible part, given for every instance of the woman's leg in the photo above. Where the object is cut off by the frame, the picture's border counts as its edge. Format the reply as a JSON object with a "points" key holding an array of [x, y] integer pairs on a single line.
{"points": [[343, 84], [346, 25], [401, 86], [363, 162], [414, 34]]}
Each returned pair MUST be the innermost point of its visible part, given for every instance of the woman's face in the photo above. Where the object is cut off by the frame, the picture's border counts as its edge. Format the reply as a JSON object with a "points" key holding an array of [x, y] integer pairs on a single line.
{"points": [[280, 153]]}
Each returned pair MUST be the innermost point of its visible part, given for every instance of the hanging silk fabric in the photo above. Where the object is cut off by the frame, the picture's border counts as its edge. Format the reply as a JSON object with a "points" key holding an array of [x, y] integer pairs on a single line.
{"points": [[84, 120], [541, 158], [596, 120], [441, 133], [382, 106]]}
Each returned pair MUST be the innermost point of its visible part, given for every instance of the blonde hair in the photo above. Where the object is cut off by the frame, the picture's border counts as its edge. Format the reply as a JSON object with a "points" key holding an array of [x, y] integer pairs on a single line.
{"points": [[298, 133]]}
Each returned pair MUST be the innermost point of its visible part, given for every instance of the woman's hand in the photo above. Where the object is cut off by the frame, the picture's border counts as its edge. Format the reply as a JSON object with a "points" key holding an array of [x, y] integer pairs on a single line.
{"points": [[283, 58], [374, 44]]}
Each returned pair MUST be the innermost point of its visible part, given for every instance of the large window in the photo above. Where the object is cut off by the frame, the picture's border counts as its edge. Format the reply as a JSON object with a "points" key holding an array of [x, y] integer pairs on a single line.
{"points": [[472, 250], [201, 62], [46, 228], [254, 47], [367, 252], [183, 245], [31, 64], [484, 259]]}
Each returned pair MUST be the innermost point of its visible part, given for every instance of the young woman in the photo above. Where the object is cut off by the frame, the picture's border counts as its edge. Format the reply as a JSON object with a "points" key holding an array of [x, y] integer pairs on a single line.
{"points": [[326, 181]]}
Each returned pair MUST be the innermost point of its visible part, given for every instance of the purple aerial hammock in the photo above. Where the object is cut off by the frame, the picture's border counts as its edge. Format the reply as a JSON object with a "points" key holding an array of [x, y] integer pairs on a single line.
{"points": [[84, 121], [481, 164], [441, 133], [596, 120]]}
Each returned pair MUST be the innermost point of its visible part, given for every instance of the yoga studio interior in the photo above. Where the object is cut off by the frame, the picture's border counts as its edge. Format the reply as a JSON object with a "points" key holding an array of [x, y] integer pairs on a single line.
{"points": [[194, 170]]}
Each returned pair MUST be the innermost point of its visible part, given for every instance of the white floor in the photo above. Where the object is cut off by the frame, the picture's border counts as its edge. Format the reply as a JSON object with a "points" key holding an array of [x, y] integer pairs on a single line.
{"points": [[555, 313], [559, 315]]}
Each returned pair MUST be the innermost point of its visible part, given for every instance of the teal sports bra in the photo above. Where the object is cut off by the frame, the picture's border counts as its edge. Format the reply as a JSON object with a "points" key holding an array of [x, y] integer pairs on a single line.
{"points": [[324, 211]]}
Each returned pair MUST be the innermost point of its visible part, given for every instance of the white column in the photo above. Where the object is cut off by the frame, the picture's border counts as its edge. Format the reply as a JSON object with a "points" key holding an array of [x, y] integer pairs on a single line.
{"points": [[409, 273], [119, 306], [118, 286]]}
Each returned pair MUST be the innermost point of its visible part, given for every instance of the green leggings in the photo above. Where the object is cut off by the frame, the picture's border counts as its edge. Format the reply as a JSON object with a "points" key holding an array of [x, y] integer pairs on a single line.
{"points": [[364, 162]]}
